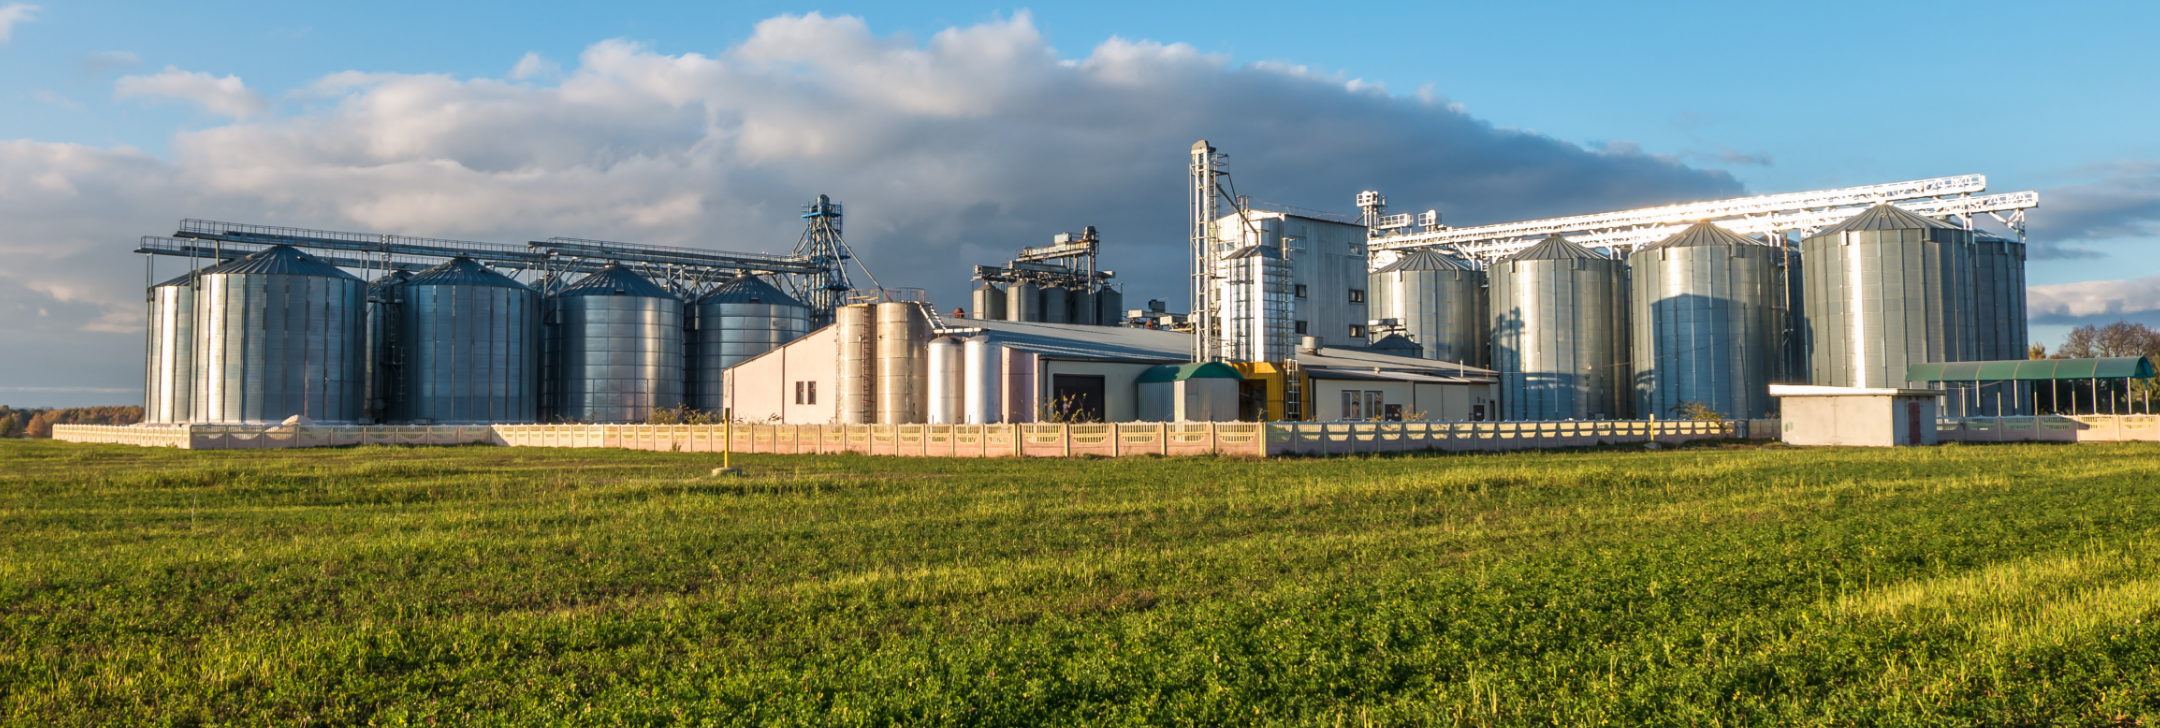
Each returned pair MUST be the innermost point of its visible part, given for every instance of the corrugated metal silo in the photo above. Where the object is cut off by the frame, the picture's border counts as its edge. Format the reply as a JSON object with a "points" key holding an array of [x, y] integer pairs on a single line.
{"points": [[1705, 323], [468, 347], [1887, 289], [1083, 306], [903, 371], [279, 333], [989, 302], [1999, 320], [1560, 333], [168, 390], [1023, 302], [856, 329], [947, 372], [1109, 306], [984, 370], [1056, 304], [617, 348], [734, 322], [1440, 302], [383, 299]]}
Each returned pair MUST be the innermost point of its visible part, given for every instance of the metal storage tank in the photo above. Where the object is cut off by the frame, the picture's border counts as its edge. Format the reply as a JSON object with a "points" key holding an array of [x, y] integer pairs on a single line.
{"points": [[168, 388], [467, 346], [856, 329], [279, 333], [1999, 320], [947, 370], [617, 349], [1056, 304], [989, 302], [734, 322], [903, 376], [1440, 302], [1887, 289], [1023, 302], [1560, 333], [382, 383], [1706, 320], [1109, 306], [984, 372], [1083, 306]]}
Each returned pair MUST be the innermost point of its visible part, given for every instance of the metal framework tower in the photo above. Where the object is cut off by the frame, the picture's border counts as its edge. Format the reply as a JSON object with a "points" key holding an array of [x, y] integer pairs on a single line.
{"points": [[822, 246], [1206, 207]]}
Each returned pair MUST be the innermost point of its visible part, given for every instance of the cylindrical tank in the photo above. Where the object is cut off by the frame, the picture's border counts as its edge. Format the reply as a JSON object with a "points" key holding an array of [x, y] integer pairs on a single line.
{"points": [[903, 336], [947, 403], [467, 346], [732, 323], [1705, 323], [855, 327], [1109, 306], [1560, 333], [1440, 302], [989, 301], [277, 334], [984, 372], [1023, 302], [1999, 320], [382, 388], [168, 389], [1887, 289], [1056, 304], [618, 348], [1083, 306]]}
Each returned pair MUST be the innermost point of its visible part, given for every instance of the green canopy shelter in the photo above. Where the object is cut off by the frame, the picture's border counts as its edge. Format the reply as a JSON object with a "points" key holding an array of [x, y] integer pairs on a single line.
{"points": [[2039, 370]]}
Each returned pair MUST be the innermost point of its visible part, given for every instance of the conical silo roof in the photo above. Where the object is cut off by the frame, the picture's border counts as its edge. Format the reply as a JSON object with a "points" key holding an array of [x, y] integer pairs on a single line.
{"points": [[1885, 216], [462, 271], [1702, 234], [279, 260], [1554, 248], [615, 280], [184, 279], [749, 289], [1423, 260]]}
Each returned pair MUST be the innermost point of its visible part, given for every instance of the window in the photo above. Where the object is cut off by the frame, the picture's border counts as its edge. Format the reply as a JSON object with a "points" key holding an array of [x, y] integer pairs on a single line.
{"points": [[806, 392], [1358, 405], [1300, 291], [1357, 295], [1350, 403], [798, 392], [1357, 331], [1372, 406], [811, 387], [1299, 326]]}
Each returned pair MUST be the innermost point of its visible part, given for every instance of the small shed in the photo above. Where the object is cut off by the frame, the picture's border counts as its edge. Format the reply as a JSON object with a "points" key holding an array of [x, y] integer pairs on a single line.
{"points": [[1204, 392], [1856, 416]]}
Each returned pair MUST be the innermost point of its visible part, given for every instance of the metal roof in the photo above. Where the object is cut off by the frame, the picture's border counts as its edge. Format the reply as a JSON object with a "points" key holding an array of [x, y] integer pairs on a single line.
{"points": [[1370, 375], [1702, 234], [1181, 372], [2122, 367], [187, 278], [615, 280], [1423, 259], [749, 289], [1885, 216], [1079, 342], [463, 272], [1368, 359], [1254, 251], [279, 260], [1554, 247], [1398, 345]]}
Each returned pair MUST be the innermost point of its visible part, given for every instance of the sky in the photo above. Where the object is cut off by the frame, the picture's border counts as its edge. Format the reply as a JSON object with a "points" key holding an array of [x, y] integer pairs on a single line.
{"points": [[956, 132]]}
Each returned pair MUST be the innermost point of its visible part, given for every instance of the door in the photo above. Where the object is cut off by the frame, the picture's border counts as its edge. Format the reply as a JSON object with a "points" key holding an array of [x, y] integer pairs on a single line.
{"points": [[1076, 398], [1912, 424]]}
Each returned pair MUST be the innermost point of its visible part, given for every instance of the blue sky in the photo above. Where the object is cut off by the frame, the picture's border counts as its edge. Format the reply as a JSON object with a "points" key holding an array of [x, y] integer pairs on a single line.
{"points": [[2056, 97]]}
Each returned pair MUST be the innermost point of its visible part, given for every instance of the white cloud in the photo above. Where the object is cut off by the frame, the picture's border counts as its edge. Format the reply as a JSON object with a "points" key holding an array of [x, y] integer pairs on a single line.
{"points": [[948, 152], [2067, 302], [13, 13], [102, 62], [2122, 200], [533, 65], [223, 96]]}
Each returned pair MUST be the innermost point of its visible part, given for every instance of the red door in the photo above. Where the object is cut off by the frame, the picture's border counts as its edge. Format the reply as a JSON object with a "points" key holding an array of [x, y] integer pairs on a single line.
{"points": [[1912, 424]]}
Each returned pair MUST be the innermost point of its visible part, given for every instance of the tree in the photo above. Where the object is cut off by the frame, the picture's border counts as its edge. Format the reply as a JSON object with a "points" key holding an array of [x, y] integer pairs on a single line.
{"points": [[11, 425], [40, 426], [2122, 338], [2038, 351]]}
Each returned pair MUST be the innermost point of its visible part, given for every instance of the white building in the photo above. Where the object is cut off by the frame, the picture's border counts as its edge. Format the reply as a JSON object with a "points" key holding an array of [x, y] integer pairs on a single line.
{"points": [[1281, 277]]}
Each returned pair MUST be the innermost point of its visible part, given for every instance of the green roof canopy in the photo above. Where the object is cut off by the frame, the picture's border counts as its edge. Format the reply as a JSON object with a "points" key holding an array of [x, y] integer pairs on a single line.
{"points": [[2121, 367], [1181, 372]]}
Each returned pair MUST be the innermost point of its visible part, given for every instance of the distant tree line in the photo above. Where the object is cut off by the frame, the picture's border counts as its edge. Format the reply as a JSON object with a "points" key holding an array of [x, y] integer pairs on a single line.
{"points": [[38, 422], [2122, 338]]}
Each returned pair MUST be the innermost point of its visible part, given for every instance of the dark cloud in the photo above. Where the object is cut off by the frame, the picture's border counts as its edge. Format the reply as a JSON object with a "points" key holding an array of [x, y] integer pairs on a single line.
{"points": [[2123, 201]]}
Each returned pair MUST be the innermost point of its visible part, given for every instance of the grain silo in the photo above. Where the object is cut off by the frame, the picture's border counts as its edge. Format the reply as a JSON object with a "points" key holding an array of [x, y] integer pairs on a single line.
{"points": [[279, 333], [946, 381], [1559, 333], [1109, 306], [1886, 289], [983, 386], [1023, 302], [903, 369], [168, 388], [467, 344], [989, 302], [732, 323], [1999, 320], [615, 348], [383, 298], [1706, 320], [855, 327], [1439, 302], [1056, 304]]}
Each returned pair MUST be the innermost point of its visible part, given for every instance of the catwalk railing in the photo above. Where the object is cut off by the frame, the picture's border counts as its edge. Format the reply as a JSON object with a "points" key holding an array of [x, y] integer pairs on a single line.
{"points": [[1246, 439]]}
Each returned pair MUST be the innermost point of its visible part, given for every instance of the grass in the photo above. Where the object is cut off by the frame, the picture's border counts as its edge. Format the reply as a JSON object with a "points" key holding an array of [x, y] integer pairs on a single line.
{"points": [[1716, 585]]}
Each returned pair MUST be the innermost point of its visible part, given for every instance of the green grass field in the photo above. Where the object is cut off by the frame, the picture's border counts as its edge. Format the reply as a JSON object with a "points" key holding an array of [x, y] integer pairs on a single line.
{"points": [[1714, 585]]}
